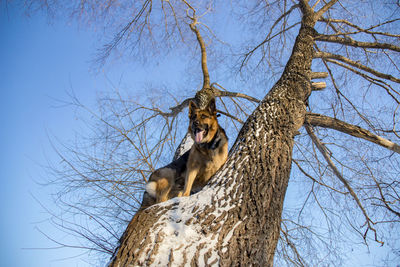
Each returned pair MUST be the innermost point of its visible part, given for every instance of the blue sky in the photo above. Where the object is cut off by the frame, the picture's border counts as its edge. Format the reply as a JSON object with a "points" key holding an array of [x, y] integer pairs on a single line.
{"points": [[38, 64]]}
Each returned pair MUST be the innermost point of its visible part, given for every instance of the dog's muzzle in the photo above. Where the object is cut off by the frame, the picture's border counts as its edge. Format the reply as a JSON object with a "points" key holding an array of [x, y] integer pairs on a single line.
{"points": [[199, 133]]}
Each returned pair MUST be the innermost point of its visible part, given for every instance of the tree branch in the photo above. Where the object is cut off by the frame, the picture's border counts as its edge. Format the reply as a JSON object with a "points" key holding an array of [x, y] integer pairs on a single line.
{"points": [[353, 130], [351, 42], [206, 75], [325, 8], [317, 86], [359, 29], [318, 75], [340, 94], [315, 180], [357, 65], [177, 109], [381, 193], [328, 159], [108, 48], [269, 37], [200, 40], [370, 79], [218, 92], [230, 116]]}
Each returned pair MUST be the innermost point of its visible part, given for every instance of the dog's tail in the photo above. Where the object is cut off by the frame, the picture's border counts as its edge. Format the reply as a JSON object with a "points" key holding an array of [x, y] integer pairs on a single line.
{"points": [[151, 188]]}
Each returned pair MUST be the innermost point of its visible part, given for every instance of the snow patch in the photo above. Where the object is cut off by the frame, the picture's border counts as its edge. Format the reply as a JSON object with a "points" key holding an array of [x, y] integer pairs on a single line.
{"points": [[230, 233], [187, 144]]}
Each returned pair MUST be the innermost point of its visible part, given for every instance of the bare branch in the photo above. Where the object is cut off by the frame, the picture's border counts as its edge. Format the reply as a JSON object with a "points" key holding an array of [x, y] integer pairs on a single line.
{"points": [[218, 92], [389, 89], [316, 181], [108, 48], [230, 116], [269, 37], [299, 259], [325, 8], [359, 29], [175, 110], [328, 159], [318, 75], [200, 40], [357, 65], [315, 4], [317, 86], [353, 130], [340, 94], [351, 42], [383, 198]]}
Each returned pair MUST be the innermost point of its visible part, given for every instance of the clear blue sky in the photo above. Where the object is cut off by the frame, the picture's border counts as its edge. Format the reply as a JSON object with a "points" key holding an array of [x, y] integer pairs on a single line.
{"points": [[38, 64]]}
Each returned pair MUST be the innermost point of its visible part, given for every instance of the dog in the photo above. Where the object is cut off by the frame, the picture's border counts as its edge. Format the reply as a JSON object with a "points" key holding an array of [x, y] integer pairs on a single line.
{"points": [[191, 172]]}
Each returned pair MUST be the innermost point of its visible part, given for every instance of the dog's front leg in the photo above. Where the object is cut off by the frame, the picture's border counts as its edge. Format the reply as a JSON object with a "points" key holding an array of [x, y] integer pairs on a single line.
{"points": [[189, 179]]}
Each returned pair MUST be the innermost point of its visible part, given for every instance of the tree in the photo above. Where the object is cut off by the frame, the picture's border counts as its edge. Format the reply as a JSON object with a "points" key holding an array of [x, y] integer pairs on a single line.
{"points": [[237, 218]]}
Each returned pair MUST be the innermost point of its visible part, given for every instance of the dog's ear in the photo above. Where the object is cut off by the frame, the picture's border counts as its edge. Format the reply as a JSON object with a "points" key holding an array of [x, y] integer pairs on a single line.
{"points": [[192, 107], [211, 106]]}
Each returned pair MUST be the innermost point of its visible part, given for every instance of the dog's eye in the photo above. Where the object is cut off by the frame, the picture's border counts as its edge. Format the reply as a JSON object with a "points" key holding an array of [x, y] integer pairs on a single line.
{"points": [[203, 117]]}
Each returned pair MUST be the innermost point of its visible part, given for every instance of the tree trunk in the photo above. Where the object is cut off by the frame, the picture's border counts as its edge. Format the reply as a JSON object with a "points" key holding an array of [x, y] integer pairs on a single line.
{"points": [[235, 220]]}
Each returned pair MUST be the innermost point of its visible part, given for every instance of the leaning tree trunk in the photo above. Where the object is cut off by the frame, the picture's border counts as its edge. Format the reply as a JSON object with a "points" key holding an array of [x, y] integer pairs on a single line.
{"points": [[235, 220]]}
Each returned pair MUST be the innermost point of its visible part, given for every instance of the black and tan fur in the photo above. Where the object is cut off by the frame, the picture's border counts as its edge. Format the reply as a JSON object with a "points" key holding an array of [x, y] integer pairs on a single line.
{"points": [[191, 172]]}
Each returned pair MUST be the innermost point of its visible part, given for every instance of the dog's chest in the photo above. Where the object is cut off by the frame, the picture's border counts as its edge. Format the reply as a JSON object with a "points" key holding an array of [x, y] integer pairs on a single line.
{"points": [[208, 167]]}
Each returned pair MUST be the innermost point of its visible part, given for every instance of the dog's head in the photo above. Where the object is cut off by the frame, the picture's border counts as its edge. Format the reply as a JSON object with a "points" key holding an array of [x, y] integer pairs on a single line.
{"points": [[203, 122]]}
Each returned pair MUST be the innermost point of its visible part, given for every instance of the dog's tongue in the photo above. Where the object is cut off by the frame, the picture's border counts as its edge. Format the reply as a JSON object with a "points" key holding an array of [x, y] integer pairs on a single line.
{"points": [[199, 136]]}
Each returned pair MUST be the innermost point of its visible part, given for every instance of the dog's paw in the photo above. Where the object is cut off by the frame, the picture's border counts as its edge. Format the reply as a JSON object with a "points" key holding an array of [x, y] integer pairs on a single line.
{"points": [[183, 194]]}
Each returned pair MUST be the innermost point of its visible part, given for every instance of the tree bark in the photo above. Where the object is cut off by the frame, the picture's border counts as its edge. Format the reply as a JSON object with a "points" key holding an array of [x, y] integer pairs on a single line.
{"points": [[235, 220]]}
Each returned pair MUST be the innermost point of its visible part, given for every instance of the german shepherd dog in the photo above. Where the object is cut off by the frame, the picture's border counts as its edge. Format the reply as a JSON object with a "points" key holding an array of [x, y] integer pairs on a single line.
{"points": [[191, 172]]}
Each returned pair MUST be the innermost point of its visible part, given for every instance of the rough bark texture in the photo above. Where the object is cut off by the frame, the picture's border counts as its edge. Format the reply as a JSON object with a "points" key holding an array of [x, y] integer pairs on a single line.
{"points": [[235, 220]]}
